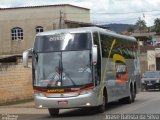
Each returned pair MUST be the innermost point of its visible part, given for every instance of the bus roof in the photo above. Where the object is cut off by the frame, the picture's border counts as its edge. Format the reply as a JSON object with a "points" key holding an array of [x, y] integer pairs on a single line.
{"points": [[87, 29]]}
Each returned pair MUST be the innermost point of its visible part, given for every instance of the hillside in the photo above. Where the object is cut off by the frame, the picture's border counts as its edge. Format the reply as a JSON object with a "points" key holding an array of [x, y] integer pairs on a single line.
{"points": [[119, 27]]}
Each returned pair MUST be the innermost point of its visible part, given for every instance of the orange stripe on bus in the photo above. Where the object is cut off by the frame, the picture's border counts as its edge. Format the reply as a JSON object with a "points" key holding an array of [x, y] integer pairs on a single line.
{"points": [[78, 91]]}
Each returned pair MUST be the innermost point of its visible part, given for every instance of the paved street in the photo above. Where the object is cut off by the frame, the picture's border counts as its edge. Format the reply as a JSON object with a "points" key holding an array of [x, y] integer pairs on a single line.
{"points": [[146, 103]]}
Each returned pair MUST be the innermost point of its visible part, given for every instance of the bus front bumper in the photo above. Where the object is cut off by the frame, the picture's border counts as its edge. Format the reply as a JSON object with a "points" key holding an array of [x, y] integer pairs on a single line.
{"points": [[86, 100]]}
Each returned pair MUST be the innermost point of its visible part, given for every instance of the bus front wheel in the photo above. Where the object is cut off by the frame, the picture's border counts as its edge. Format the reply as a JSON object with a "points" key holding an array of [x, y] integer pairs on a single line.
{"points": [[102, 107], [53, 112]]}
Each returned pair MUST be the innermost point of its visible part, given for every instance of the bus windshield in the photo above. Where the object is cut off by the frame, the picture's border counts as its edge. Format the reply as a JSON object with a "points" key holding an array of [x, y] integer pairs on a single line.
{"points": [[62, 60], [63, 41], [68, 68]]}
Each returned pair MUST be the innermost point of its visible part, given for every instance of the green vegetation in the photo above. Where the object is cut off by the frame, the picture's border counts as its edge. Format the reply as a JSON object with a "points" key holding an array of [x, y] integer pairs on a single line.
{"points": [[141, 25], [157, 25]]}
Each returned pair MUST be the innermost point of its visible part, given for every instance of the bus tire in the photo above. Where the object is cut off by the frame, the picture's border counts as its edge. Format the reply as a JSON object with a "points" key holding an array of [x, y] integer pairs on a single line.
{"points": [[130, 98], [135, 92], [53, 112], [102, 107]]}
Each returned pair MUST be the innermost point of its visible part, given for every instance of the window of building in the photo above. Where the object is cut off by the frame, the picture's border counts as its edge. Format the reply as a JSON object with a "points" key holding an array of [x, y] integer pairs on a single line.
{"points": [[39, 29], [17, 33]]}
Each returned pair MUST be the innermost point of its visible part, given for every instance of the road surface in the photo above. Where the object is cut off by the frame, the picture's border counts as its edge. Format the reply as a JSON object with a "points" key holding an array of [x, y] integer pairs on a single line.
{"points": [[145, 103]]}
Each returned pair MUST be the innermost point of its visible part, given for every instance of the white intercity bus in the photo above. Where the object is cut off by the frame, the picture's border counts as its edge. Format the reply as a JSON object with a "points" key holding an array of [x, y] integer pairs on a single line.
{"points": [[83, 67]]}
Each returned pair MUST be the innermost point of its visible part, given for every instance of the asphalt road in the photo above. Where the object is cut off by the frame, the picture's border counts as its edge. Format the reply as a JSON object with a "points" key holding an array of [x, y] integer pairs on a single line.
{"points": [[147, 103]]}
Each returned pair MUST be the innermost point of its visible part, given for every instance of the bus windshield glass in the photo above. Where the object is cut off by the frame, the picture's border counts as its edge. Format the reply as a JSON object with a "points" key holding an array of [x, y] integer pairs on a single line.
{"points": [[68, 68], [62, 42], [62, 60]]}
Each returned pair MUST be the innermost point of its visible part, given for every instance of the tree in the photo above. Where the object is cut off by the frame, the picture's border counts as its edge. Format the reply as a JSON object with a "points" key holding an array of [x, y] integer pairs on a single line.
{"points": [[141, 24], [157, 25], [130, 29]]}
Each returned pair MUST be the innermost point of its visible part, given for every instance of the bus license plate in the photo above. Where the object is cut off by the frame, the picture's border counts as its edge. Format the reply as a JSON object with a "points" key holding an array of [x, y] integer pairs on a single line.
{"points": [[63, 102]]}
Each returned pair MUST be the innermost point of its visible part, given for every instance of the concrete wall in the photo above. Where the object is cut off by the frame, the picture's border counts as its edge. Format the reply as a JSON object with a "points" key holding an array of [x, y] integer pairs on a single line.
{"points": [[143, 62], [16, 83], [151, 58], [77, 14]]}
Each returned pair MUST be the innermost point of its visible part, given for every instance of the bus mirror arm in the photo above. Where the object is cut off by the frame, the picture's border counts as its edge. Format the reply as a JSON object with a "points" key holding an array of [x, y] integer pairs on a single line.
{"points": [[94, 54], [25, 57]]}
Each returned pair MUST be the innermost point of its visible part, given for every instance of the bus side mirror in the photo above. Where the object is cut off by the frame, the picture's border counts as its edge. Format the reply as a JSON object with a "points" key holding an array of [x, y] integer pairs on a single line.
{"points": [[25, 57], [94, 54]]}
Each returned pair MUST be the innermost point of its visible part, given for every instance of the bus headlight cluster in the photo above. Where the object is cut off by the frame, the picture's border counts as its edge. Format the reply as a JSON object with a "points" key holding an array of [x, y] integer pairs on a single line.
{"points": [[39, 94], [157, 81], [143, 81], [86, 91]]}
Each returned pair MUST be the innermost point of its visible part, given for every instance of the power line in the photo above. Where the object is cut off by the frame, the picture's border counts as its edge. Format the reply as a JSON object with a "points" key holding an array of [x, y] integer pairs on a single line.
{"points": [[128, 12], [133, 12], [101, 22]]}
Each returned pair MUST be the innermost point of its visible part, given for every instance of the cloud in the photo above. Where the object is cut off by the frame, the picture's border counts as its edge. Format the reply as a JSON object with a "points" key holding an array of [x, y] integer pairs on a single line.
{"points": [[134, 10], [103, 10]]}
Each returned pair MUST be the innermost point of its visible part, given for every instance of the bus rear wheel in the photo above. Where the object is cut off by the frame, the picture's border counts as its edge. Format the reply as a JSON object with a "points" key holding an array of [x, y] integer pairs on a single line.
{"points": [[131, 97], [53, 112]]}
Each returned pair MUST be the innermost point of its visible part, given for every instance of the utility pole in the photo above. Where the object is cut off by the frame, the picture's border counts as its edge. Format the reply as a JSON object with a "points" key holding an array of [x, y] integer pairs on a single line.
{"points": [[60, 20]]}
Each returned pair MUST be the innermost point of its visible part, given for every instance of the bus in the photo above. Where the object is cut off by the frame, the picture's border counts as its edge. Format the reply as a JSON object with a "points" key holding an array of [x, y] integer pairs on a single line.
{"points": [[83, 67]]}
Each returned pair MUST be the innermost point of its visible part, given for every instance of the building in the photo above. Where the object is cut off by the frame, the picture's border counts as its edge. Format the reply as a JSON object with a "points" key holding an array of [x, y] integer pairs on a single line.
{"points": [[145, 38], [18, 26], [150, 58], [149, 53]]}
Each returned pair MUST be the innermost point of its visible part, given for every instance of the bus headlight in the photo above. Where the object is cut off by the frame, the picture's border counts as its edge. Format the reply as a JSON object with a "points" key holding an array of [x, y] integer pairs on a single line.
{"points": [[86, 91], [157, 81], [142, 81]]}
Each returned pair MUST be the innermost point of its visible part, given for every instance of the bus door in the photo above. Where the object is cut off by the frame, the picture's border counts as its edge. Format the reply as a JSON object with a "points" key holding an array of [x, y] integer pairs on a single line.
{"points": [[108, 73], [97, 67]]}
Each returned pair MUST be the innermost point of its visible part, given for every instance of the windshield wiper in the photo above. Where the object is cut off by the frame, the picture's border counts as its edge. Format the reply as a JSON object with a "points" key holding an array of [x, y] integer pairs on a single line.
{"points": [[68, 76]]}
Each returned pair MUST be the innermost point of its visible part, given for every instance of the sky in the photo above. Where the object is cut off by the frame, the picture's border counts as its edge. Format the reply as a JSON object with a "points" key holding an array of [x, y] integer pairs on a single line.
{"points": [[104, 11]]}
